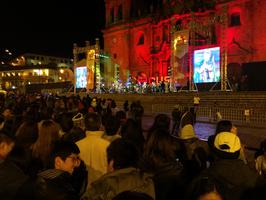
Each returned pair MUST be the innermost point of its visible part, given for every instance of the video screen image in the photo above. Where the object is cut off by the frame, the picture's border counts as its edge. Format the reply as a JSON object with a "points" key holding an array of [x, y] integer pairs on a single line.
{"points": [[81, 77], [206, 65]]}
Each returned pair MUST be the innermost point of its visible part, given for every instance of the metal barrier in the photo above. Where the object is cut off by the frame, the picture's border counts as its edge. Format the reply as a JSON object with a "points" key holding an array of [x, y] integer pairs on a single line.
{"points": [[243, 116]]}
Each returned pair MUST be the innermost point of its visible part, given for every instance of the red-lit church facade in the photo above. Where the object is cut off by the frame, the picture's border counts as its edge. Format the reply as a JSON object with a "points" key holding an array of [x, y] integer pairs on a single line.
{"points": [[154, 47]]}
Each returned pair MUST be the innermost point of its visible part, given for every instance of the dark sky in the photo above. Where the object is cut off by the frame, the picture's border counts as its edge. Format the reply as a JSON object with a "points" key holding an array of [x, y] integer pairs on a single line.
{"points": [[49, 27]]}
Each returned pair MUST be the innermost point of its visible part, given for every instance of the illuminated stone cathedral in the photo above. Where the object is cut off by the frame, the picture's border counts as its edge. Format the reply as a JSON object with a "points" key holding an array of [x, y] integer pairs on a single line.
{"points": [[156, 40]]}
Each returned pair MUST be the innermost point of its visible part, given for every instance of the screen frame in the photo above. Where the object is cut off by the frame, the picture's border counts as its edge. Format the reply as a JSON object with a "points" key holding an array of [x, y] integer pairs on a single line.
{"points": [[196, 64], [77, 78]]}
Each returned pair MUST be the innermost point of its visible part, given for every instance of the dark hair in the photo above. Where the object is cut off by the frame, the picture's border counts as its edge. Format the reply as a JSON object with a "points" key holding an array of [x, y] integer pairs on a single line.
{"points": [[123, 153], [162, 122], [159, 149], [132, 195], [120, 115], [111, 125], [74, 135], [65, 121], [27, 134], [223, 126], [186, 118], [202, 186], [63, 149], [131, 131], [92, 122], [5, 138]]}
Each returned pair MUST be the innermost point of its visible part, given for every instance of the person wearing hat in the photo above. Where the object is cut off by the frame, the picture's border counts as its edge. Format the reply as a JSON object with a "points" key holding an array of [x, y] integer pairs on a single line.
{"points": [[195, 152], [230, 173]]}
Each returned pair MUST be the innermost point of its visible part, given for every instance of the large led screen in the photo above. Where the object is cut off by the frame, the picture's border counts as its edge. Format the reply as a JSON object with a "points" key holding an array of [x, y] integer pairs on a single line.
{"points": [[206, 65], [81, 77]]}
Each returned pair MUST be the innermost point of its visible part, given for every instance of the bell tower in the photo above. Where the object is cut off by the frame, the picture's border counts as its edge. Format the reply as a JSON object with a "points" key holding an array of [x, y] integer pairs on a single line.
{"points": [[117, 11]]}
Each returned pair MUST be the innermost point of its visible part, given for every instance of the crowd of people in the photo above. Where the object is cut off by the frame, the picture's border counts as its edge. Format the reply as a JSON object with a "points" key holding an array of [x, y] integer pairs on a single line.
{"points": [[68, 148]]}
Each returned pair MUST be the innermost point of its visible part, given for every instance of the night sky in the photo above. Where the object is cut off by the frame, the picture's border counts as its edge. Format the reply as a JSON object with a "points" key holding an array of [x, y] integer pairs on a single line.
{"points": [[49, 27]]}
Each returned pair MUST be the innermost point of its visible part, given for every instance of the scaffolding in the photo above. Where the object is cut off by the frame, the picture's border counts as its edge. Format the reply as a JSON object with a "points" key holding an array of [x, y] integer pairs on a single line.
{"points": [[202, 25], [92, 55]]}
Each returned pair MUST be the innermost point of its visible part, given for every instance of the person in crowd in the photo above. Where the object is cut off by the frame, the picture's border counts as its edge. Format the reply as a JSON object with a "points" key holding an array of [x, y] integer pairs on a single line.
{"points": [[176, 118], [230, 173], [93, 147], [204, 188], [195, 152], [6, 145], [75, 134], [161, 121], [136, 112], [65, 123], [126, 106], [11, 177], [226, 126], [27, 134], [196, 102], [160, 159], [121, 116], [123, 174], [260, 160], [55, 182], [132, 132], [48, 134], [111, 126]]}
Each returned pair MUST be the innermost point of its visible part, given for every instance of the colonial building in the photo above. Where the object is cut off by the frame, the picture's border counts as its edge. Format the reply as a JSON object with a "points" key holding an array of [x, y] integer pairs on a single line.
{"points": [[29, 69], [156, 39]]}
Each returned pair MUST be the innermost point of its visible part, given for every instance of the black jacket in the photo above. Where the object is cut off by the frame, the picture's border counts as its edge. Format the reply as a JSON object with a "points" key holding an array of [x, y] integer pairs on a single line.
{"points": [[170, 181], [55, 184], [11, 179]]}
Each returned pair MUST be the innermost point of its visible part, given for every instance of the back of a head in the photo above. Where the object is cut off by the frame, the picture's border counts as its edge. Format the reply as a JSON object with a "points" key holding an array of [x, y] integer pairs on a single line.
{"points": [[123, 153], [223, 126], [66, 122], [132, 131], [161, 121], [111, 125], [27, 134], [176, 114], [132, 195], [187, 118], [227, 145], [92, 122], [159, 149], [75, 134]]}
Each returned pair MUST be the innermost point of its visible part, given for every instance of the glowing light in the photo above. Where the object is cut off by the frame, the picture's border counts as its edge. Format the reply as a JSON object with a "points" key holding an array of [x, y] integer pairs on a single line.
{"points": [[61, 71]]}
